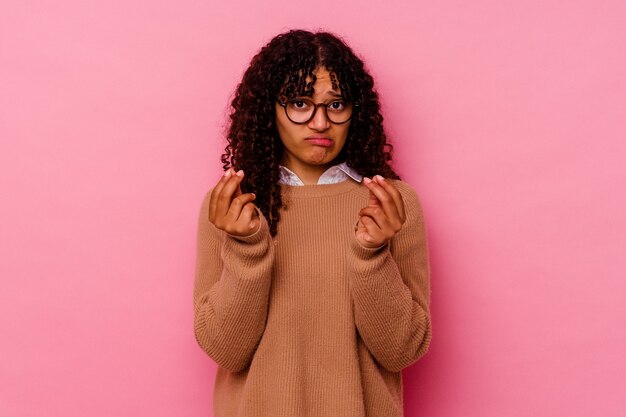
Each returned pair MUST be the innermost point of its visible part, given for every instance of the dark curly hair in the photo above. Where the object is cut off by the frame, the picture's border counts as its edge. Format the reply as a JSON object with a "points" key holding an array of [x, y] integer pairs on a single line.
{"points": [[280, 69]]}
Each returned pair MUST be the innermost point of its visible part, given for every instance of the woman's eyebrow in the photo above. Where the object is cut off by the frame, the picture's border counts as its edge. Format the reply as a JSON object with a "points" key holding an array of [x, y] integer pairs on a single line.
{"points": [[331, 93]]}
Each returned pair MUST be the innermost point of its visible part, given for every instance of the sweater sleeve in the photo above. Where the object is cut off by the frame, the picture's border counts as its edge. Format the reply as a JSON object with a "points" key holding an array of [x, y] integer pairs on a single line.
{"points": [[390, 288], [231, 290]]}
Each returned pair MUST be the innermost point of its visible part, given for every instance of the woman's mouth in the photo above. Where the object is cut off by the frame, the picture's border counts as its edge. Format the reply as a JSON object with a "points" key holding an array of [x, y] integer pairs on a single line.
{"points": [[321, 141]]}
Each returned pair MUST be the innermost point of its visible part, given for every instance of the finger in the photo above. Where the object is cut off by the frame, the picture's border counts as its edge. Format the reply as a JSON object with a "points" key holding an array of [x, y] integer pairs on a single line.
{"points": [[248, 219], [372, 232], [373, 201], [216, 192], [387, 202], [226, 194], [359, 228], [387, 225], [395, 194], [235, 211], [238, 191]]}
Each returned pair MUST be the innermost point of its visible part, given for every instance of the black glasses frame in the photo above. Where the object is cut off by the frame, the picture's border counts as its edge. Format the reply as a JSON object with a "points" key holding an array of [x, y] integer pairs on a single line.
{"points": [[324, 105]]}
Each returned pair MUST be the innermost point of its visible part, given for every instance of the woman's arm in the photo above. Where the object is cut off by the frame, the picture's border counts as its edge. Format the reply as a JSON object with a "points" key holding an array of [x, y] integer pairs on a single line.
{"points": [[231, 290], [390, 288]]}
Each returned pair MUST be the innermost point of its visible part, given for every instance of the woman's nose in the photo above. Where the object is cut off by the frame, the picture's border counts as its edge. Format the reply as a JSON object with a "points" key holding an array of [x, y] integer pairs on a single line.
{"points": [[319, 120]]}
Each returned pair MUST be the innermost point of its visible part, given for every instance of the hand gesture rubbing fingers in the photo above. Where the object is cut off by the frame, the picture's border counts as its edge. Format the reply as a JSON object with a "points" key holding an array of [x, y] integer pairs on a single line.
{"points": [[230, 209], [384, 215]]}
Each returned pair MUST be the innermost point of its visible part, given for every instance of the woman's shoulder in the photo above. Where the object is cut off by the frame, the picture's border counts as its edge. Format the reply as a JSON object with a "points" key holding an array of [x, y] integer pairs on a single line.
{"points": [[409, 194], [411, 201], [204, 223], [204, 204]]}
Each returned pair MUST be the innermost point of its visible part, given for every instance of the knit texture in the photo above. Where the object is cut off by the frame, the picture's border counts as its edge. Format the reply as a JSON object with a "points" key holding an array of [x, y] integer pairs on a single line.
{"points": [[310, 323]]}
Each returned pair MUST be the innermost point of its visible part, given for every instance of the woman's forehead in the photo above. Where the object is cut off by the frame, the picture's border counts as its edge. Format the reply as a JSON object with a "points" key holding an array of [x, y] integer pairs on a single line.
{"points": [[325, 81]]}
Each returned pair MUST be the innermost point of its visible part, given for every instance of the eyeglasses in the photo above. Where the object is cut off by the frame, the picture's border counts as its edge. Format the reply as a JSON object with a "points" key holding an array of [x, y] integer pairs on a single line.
{"points": [[302, 110]]}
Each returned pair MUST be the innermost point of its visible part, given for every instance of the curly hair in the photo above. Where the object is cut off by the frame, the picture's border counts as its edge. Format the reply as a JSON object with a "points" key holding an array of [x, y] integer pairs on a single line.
{"points": [[280, 69]]}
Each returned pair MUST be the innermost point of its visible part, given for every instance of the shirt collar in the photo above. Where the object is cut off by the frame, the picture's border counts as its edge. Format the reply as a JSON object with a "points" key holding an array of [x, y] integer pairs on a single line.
{"points": [[349, 171], [287, 176]]}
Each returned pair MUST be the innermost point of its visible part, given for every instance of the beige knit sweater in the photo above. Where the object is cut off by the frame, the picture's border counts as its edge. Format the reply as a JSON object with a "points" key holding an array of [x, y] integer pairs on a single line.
{"points": [[311, 323]]}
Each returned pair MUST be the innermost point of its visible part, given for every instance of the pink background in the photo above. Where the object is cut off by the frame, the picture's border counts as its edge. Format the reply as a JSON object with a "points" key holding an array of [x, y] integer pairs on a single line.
{"points": [[508, 118]]}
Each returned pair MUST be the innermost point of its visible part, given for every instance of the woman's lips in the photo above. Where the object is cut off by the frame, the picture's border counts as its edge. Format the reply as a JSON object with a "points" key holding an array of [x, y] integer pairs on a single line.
{"points": [[321, 141]]}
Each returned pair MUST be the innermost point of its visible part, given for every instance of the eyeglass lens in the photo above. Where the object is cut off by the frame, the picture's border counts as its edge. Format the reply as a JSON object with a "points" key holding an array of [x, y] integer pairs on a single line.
{"points": [[302, 110]]}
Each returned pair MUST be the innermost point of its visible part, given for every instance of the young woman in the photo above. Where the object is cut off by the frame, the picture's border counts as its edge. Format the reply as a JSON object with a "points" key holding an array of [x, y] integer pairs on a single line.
{"points": [[312, 288]]}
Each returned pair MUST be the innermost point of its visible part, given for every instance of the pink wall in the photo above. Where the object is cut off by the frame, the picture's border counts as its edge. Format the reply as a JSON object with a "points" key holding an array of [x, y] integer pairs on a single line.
{"points": [[508, 117]]}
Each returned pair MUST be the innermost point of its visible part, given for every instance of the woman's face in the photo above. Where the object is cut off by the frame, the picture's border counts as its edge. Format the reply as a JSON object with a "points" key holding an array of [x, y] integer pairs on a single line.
{"points": [[301, 153]]}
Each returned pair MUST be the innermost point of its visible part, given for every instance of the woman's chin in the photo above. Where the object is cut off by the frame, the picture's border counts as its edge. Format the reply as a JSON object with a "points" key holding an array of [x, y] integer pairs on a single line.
{"points": [[320, 156]]}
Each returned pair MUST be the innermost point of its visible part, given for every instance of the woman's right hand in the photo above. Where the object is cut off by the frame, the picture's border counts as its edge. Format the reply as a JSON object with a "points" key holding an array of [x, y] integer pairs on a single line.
{"points": [[230, 210]]}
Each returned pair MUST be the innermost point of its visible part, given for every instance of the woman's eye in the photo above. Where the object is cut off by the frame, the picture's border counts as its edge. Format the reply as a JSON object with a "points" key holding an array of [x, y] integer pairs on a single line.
{"points": [[336, 105], [300, 105]]}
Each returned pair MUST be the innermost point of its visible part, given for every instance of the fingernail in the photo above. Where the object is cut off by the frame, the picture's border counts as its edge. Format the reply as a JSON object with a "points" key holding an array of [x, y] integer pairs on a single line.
{"points": [[379, 178], [367, 180], [240, 173], [227, 173]]}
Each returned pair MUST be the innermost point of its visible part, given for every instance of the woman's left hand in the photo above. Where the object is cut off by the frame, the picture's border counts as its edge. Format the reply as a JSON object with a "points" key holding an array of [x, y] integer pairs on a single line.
{"points": [[384, 215]]}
